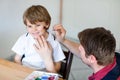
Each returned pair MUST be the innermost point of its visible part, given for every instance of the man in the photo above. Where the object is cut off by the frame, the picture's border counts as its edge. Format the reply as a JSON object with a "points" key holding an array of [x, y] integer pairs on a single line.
{"points": [[96, 49]]}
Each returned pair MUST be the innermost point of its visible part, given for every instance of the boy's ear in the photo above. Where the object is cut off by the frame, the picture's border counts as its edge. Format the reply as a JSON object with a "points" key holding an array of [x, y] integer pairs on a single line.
{"points": [[47, 26]]}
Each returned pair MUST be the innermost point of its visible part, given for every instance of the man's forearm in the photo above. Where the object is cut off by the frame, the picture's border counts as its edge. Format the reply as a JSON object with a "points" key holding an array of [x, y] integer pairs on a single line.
{"points": [[72, 46]]}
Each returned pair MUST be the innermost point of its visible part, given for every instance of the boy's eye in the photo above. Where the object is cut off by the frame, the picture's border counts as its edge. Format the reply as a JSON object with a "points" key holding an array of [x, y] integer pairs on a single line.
{"points": [[38, 25], [29, 26]]}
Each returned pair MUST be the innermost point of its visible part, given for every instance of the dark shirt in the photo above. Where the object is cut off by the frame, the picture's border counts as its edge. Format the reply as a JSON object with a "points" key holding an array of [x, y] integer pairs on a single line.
{"points": [[110, 72]]}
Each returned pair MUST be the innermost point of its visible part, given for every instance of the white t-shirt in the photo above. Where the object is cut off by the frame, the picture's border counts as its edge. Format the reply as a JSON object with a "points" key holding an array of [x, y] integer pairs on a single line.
{"points": [[24, 45]]}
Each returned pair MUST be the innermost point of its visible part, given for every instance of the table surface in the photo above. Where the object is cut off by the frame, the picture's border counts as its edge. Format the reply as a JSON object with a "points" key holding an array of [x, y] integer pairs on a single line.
{"points": [[12, 71]]}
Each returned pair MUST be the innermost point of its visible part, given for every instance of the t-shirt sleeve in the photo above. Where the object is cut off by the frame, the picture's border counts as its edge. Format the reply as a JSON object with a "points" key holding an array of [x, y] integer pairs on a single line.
{"points": [[58, 54], [18, 47]]}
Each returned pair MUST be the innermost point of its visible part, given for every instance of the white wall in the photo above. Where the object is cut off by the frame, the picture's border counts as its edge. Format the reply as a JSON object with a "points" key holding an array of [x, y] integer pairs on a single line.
{"points": [[81, 14], [11, 22], [77, 15]]}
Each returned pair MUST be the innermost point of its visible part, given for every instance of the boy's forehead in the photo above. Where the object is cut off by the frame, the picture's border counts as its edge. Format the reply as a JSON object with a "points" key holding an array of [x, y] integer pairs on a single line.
{"points": [[35, 22], [44, 23]]}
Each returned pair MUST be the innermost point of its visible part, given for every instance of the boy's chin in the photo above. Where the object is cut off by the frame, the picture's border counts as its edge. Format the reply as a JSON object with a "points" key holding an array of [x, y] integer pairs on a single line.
{"points": [[36, 37]]}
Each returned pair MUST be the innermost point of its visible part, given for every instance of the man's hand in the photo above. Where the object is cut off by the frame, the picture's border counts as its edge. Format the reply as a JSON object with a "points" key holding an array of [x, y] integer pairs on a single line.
{"points": [[60, 32]]}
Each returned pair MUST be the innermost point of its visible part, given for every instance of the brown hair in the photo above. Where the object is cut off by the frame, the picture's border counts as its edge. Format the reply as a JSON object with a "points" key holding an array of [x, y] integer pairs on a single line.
{"points": [[100, 43], [37, 13]]}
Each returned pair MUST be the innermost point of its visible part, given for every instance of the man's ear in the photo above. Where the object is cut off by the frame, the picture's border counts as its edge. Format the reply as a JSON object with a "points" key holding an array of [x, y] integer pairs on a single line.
{"points": [[92, 59]]}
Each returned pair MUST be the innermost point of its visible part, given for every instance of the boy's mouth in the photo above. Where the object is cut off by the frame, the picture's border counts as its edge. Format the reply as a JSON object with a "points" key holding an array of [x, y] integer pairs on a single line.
{"points": [[36, 34]]}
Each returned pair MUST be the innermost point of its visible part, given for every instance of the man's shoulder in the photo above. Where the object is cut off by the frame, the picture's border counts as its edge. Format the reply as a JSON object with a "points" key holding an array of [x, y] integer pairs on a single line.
{"points": [[117, 54]]}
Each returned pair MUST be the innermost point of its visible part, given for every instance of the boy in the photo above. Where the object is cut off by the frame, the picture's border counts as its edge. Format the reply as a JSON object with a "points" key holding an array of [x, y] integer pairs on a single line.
{"points": [[37, 21]]}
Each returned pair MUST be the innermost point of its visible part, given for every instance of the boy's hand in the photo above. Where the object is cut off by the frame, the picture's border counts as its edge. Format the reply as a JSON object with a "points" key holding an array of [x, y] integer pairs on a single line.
{"points": [[45, 51], [43, 48]]}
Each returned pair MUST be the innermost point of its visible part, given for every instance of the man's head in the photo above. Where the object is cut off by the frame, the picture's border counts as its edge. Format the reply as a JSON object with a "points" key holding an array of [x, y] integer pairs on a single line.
{"points": [[98, 42]]}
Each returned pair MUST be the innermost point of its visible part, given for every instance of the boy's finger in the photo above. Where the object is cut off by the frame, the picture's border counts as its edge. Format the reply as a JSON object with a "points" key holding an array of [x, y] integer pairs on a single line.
{"points": [[37, 43], [36, 47], [40, 40], [44, 41]]}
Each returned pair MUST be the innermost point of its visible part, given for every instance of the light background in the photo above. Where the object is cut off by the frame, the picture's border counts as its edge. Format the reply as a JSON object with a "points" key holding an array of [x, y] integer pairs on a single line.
{"points": [[77, 15]]}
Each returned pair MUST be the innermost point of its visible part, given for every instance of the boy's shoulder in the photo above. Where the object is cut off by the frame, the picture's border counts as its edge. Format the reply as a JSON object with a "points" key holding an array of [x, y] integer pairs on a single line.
{"points": [[23, 36], [51, 38]]}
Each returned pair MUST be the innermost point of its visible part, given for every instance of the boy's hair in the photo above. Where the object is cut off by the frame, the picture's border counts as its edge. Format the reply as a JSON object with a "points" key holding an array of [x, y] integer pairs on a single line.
{"points": [[37, 13], [100, 43]]}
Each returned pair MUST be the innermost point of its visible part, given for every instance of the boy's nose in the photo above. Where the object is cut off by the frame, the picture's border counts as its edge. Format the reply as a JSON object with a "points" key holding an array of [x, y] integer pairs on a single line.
{"points": [[34, 28]]}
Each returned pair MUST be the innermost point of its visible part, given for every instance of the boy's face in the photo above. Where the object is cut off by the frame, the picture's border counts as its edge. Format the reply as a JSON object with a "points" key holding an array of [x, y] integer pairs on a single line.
{"points": [[37, 29]]}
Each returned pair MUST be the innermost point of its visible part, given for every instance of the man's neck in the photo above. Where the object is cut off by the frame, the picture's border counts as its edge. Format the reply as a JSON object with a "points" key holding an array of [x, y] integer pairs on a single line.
{"points": [[97, 68]]}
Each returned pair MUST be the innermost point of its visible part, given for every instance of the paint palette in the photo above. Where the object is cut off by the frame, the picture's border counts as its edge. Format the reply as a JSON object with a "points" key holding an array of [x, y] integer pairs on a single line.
{"points": [[40, 75]]}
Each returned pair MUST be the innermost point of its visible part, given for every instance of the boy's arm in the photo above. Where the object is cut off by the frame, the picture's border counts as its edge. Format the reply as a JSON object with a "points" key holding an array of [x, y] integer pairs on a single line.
{"points": [[45, 51], [57, 66], [17, 59], [52, 66], [56, 69]]}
